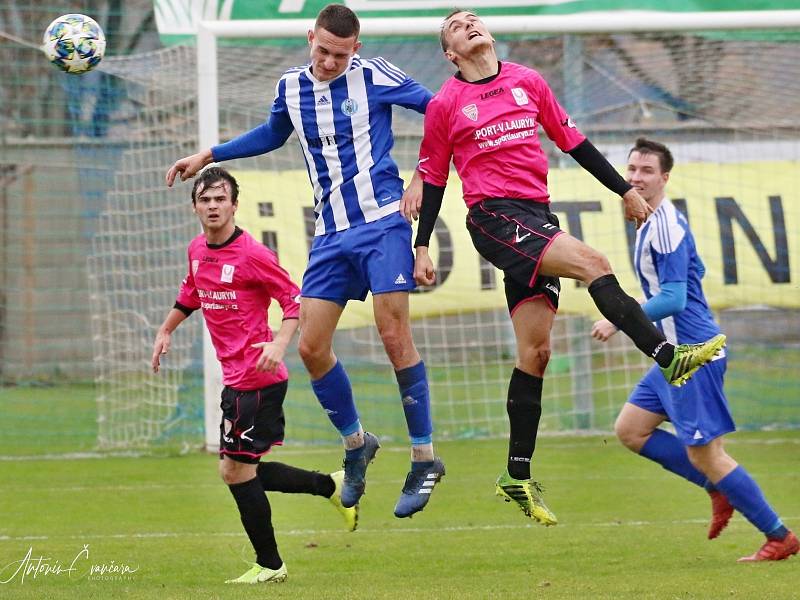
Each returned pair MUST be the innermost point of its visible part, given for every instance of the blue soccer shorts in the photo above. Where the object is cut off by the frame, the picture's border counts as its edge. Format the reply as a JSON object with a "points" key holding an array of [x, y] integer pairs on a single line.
{"points": [[374, 257], [698, 409]]}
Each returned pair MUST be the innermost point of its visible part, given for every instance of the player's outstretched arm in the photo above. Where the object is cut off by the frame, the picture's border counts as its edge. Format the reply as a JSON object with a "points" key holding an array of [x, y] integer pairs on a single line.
{"points": [[188, 166], [164, 336]]}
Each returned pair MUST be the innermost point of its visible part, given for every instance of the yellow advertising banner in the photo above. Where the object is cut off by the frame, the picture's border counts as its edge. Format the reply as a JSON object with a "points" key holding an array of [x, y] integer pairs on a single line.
{"points": [[744, 216]]}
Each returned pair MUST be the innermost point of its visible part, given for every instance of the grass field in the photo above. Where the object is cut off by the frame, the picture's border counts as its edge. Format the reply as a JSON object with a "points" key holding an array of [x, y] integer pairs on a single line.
{"points": [[761, 385], [627, 528]]}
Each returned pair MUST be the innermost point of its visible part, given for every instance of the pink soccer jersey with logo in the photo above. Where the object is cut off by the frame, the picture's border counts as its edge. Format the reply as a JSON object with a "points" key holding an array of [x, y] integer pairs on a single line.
{"points": [[490, 131], [233, 283]]}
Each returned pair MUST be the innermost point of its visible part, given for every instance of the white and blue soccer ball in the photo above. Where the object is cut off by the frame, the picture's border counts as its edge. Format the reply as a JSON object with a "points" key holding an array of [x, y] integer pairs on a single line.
{"points": [[74, 43]]}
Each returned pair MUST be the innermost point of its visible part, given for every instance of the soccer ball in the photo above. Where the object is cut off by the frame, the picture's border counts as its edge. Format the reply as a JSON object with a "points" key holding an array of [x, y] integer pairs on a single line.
{"points": [[74, 43]]}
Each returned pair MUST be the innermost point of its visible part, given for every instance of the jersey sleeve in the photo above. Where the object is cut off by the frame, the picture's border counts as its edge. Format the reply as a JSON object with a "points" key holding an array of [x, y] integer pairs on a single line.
{"points": [[187, 293], [265, 137], [555, 121], [276, 282], [393, 86], [672, 266], [436, 149], [671, 250]]}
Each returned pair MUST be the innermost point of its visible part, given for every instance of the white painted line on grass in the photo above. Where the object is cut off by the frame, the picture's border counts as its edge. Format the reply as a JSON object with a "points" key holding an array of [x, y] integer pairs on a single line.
{"points": [[587, 440], [362, 530]]}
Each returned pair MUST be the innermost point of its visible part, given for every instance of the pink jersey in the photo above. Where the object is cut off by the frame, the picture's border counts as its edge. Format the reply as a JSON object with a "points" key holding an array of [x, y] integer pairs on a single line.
{"points": [[234, 283], [490, 131]]}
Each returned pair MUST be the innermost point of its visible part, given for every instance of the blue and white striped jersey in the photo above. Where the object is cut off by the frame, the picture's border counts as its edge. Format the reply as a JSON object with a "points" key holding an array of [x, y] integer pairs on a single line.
{"points": [[345, 131], [666, 252]]}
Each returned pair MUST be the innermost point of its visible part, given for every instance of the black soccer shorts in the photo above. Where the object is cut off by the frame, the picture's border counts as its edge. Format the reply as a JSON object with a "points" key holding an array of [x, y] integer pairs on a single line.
{"points": [[513, 235], [252, 422]]}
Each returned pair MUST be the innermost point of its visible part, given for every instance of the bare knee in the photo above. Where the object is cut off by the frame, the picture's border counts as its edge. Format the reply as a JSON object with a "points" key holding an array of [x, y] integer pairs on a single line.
{"points": [[233, 472], [226, 473], [308, 352], [533, 359], [595, 265], [702, 457], [629, 435], [317, 358]]}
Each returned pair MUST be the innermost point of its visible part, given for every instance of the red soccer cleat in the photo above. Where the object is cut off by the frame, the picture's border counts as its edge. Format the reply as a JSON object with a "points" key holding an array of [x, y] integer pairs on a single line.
{"points": [[721, 513], [775, 549]]}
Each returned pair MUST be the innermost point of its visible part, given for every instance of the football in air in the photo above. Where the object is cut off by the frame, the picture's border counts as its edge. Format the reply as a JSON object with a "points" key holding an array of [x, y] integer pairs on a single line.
{"points": [[74, 43]]}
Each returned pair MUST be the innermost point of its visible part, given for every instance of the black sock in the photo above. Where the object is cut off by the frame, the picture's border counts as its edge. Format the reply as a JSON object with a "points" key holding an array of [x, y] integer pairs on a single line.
{"points": [[278, 477], [524, 407], [626, 314], [257, 520]]}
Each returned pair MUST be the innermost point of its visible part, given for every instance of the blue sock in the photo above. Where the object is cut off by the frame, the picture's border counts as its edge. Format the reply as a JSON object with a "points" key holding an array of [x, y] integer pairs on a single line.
{"points": [[413, 383], [668, 451], [745, 496], [335, 394]]}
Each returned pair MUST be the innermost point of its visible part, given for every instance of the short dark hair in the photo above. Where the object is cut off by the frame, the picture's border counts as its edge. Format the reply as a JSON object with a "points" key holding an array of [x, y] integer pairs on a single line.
{"points": [[455, 11], [339, 20], [645, 146], [212, 175]]}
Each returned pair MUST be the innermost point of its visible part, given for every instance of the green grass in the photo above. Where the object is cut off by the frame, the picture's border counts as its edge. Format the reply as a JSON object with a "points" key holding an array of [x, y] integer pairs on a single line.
{"points": [[468, 402], [48, 418], [627, 528]]}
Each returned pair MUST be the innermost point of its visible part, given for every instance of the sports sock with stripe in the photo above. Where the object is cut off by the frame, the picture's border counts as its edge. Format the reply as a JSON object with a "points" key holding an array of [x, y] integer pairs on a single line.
{"points": [[335, 394], [415, 396], [524, 408]]}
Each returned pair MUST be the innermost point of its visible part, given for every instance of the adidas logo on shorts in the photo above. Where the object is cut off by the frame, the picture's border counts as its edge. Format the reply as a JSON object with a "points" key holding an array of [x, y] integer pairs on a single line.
{"points": [[400, 280]]}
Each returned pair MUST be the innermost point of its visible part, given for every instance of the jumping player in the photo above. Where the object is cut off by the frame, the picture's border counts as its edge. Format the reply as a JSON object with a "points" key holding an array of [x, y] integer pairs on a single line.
{"points": [[340, 107], [486, 118]]}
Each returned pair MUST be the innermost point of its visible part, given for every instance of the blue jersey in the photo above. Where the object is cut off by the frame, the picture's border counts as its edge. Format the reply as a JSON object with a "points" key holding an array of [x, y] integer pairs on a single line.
{"points": [[666, 252], [345, 131]]}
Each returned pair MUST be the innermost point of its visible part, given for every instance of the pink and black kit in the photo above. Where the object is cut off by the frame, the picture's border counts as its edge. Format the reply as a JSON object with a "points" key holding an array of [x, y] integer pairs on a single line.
{"points": [[490, 130], [233, 283]]}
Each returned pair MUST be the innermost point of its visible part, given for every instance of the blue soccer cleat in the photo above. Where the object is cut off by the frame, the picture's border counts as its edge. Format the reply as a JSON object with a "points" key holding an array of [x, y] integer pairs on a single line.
{"points": [[355, 470], [418, 489]]}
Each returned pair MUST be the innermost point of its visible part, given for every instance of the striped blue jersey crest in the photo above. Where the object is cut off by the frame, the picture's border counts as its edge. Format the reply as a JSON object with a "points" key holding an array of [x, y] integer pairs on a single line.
{"points": [[666, 252], [345, 131]]}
